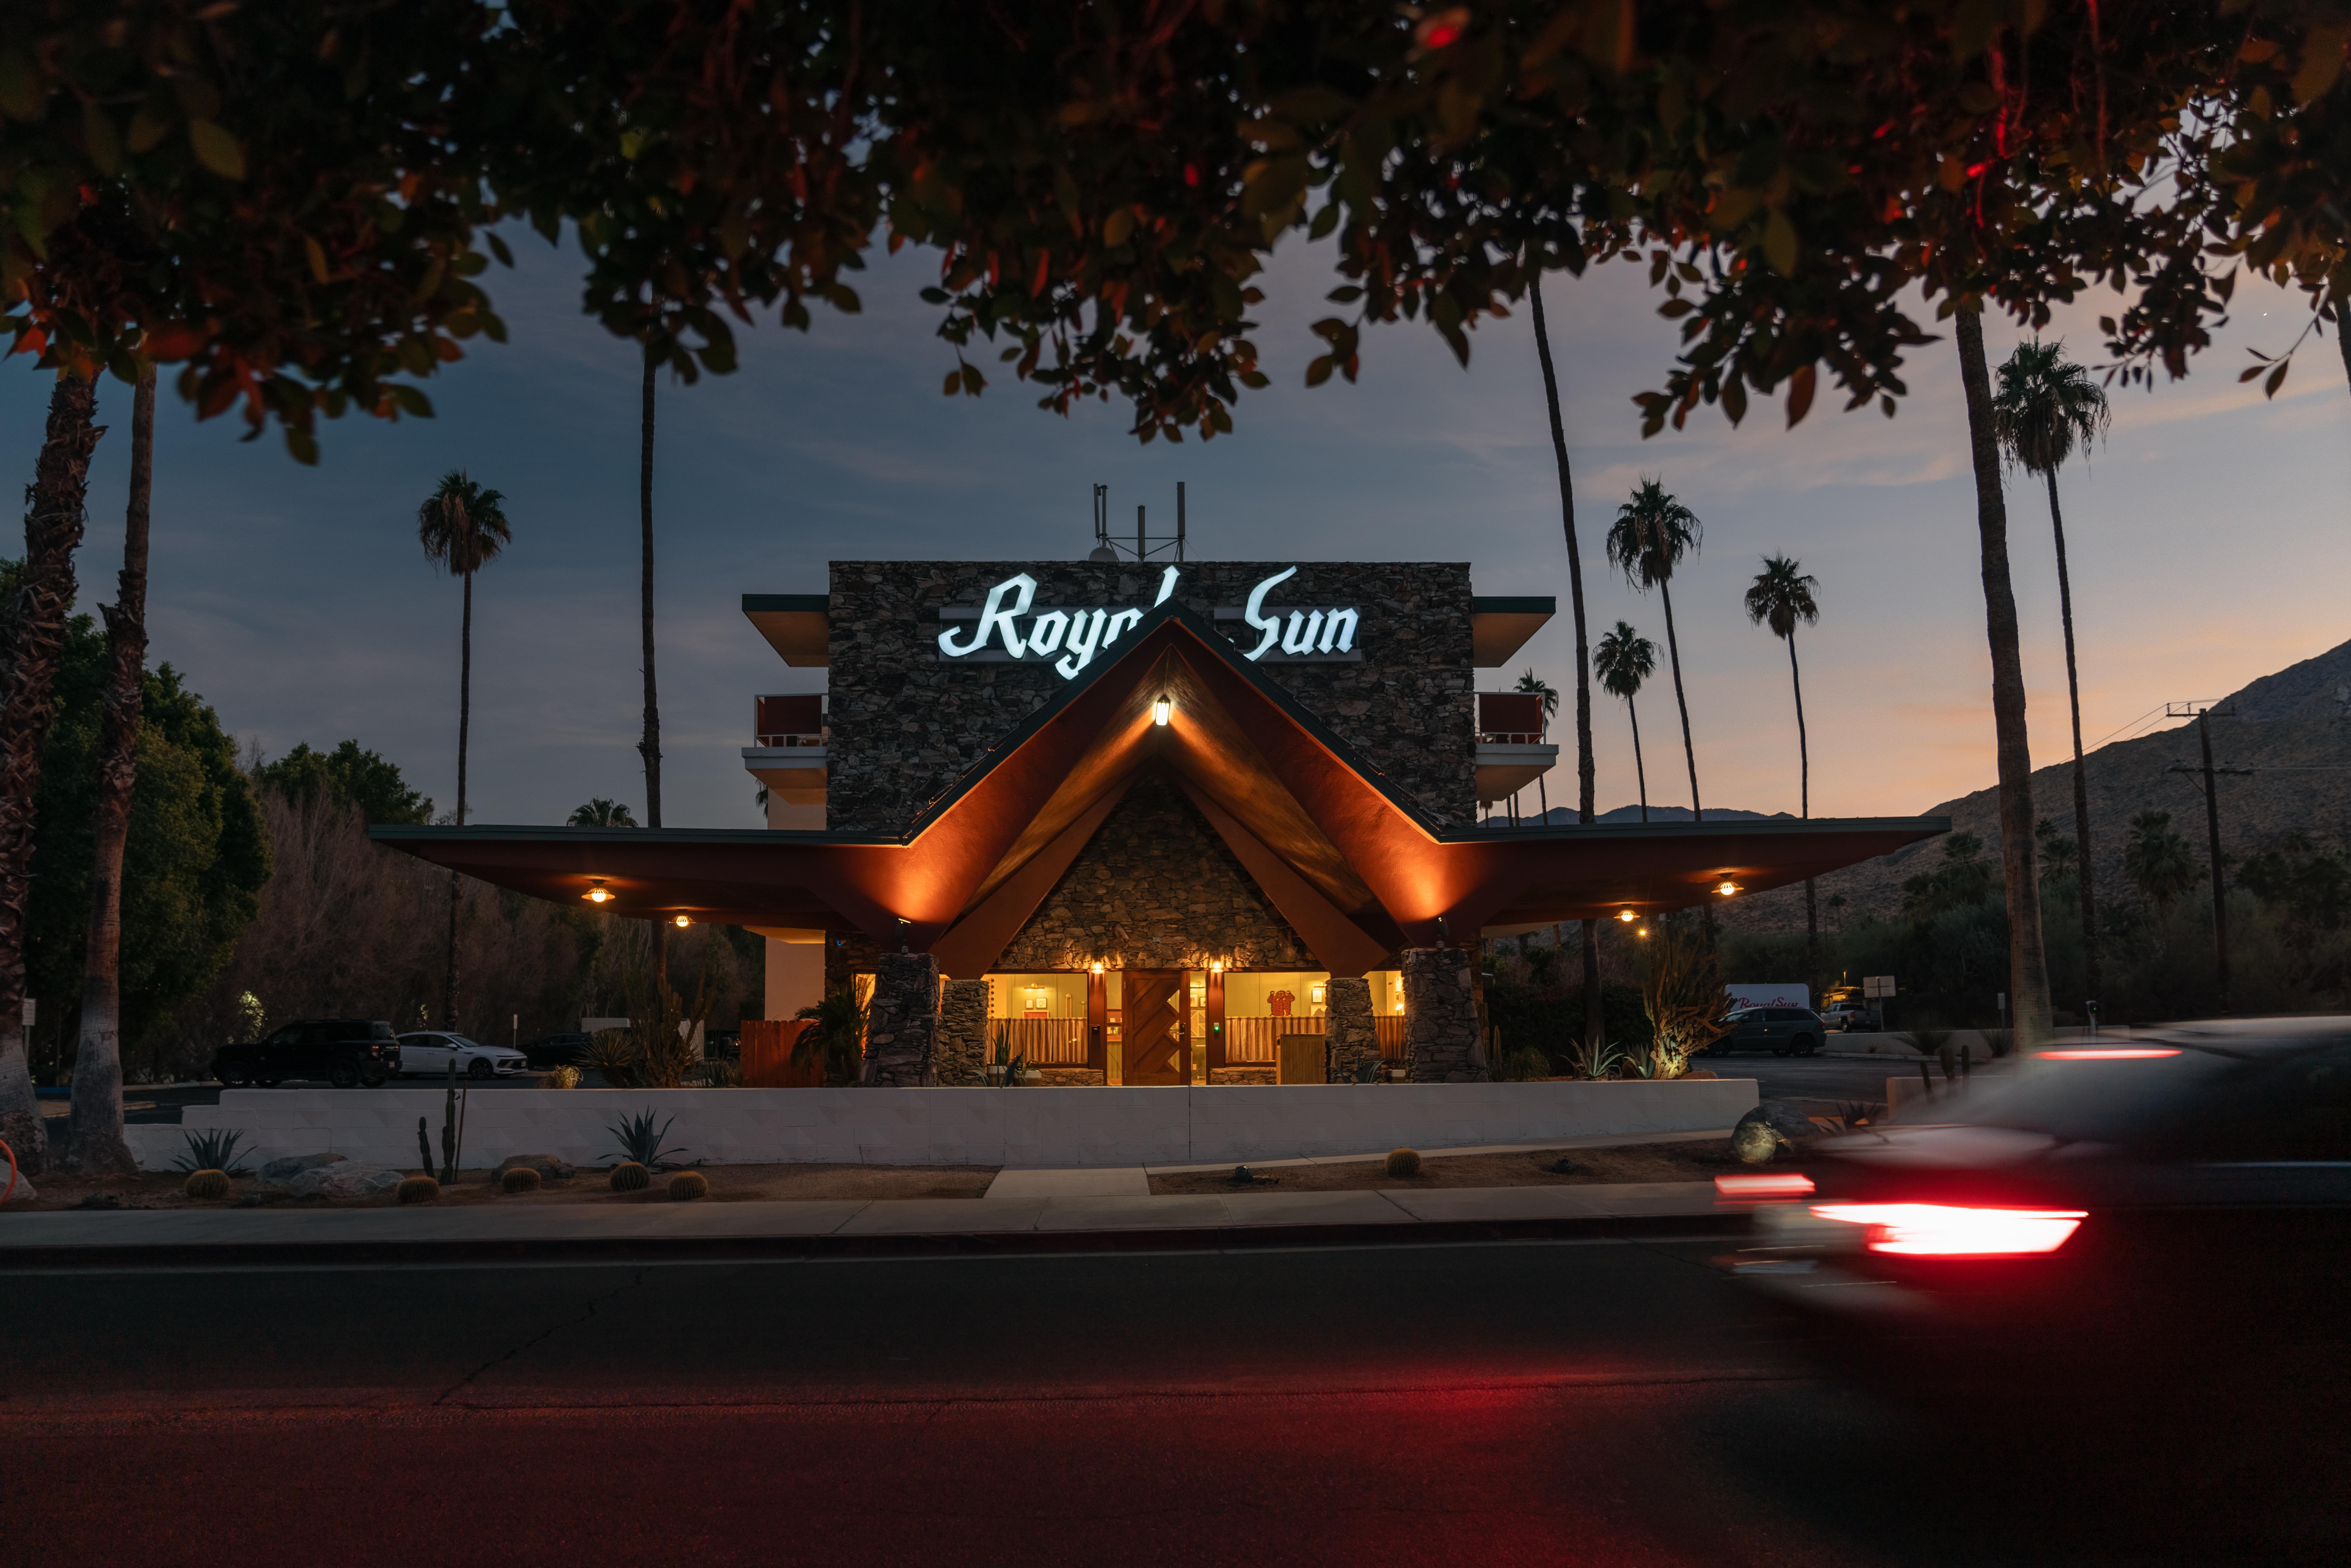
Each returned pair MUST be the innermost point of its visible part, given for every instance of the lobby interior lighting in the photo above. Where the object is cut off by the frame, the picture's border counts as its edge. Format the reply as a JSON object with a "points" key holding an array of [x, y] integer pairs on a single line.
{"points": [[1161, 709], [597, 891]]}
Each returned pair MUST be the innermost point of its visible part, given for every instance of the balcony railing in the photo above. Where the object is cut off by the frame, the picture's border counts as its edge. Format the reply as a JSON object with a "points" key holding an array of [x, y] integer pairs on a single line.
{"points": [[789, 719]]}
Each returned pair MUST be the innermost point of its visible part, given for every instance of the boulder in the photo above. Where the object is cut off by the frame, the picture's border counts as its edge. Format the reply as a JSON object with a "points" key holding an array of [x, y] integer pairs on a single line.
{"points": [[23, 1193], [548, 1168], [344, 1179], [1763, 1133], [279, 1172]]}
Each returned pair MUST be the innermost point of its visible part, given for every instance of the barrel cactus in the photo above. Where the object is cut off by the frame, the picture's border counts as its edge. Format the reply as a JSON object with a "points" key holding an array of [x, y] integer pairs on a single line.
{"points": [[1404, 1162], [207, 1184], [630, 1176], [687, 1186], [519, 1179], [418, 1190]]}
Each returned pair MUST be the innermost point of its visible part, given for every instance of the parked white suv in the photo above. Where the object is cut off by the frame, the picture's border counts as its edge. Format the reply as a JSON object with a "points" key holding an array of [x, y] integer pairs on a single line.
{"points": [[429, 1052]]}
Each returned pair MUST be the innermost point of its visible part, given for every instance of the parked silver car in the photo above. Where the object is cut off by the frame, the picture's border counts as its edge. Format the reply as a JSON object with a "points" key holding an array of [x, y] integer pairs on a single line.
{"points": [[428, 1054]]}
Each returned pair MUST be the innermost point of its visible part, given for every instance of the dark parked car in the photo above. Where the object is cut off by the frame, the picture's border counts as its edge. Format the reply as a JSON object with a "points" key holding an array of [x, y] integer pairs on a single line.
{"points": [[1780, 1031], [2156, 1231], [556, 1051], [345, 1053]]}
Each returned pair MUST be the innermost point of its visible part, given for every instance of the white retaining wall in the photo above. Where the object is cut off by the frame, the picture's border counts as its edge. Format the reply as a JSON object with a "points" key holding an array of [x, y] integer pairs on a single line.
{"points": [[1084, 1127]]}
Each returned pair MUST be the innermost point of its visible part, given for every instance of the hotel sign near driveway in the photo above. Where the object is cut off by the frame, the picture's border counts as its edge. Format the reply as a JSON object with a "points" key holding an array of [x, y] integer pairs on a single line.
{"points": [[1010, 628]]}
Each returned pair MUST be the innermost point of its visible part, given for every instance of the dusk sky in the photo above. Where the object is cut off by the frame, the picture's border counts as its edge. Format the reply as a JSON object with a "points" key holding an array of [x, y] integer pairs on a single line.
{"points": [[2208, 540]]}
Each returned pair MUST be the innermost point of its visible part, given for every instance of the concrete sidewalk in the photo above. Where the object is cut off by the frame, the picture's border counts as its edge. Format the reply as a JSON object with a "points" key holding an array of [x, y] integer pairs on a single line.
{"points": [[651, 1229]]}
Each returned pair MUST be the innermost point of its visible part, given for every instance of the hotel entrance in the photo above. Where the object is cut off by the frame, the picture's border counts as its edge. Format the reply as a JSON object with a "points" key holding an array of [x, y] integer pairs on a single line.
{"points": [[1143, 1028]]}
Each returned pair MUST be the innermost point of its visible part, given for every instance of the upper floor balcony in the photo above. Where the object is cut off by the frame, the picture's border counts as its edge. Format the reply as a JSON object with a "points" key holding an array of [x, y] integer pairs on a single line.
{"points": [[1513, 747], [791, 746]]}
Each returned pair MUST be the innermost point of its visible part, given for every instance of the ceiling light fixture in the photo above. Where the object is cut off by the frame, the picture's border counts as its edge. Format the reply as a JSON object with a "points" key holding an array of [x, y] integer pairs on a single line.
{"points": [[1161, 709], [1626, 915], [683, 920], [597, 892], [1728, 887]]}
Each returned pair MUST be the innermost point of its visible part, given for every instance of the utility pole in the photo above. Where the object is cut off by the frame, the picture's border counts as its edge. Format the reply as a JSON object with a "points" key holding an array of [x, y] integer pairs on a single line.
{"points": [[2211, 830]]}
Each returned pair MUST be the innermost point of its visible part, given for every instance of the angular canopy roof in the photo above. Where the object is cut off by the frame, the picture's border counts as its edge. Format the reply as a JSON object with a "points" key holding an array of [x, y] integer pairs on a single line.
{"points": [[1354, 866]]}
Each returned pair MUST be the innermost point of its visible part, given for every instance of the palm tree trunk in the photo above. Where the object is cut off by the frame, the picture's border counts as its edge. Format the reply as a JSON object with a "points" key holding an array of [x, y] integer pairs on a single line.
{"points": [[2028, 963], [32, 640], [1640, 774], [2343, 333], [2081, 779], [464, 726], [1674, 651], [96, 1145], [1804, 809], [649, 746], [1594, 1023]]}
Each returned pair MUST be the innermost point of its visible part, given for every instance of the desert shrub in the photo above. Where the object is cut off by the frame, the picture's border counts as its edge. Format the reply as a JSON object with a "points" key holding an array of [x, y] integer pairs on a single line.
{"points": [[1522, 1063], [564, 1077], [630, 1176], [1682, 997], [207, 1184], [418, 1190], [835, 1036], [687, 1186], [613, 1053], [519, 1179], [1404, 1162]]}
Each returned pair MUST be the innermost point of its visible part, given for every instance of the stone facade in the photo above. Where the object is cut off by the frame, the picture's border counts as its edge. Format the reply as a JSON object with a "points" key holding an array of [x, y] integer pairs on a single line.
{"points": [[1065, 1077], [1155, 888], [963, 1033], [1252, 1074], [1440, 1017], [902, 1026], [1351, 1041], [905, 724]]}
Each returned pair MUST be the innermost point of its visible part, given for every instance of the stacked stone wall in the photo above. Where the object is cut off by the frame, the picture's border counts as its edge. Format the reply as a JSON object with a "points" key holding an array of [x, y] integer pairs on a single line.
{"points": [[1155, 888], [1440, 1017], [907, 725]]}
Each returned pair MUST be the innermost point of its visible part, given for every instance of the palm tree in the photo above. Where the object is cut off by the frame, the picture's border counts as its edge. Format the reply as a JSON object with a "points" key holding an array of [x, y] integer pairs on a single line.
{"points": [[1622, 661], [2027, 960], [2041, 408], [2157, 861], [1594, 1023], [603, 813], [649, 746], [463, 529], [1535, 686], [32, 638], [1652, 534], [96, 1145], [1781, 596]]}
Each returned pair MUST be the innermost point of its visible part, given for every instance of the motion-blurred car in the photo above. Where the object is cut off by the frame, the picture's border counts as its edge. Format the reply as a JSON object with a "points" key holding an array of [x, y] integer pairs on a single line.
{"points": [[345, 1053], [430, 1053], [1783, 1032], [2157, 1231]]}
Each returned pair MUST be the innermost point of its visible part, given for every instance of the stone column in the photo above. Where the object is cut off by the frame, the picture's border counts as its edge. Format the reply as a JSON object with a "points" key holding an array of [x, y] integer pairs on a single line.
{"points": [[963, 1034], [902, 1025], [1349, 1037], [1440, 1017]]}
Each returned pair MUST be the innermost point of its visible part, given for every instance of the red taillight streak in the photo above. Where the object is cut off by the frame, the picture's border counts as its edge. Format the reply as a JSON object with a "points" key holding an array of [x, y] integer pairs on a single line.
{"points": [[1947, 1231], [2120, 1053], [1787, 1184]]}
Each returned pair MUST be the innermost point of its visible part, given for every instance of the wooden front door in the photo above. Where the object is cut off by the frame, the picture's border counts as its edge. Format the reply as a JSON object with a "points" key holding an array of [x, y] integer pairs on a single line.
{"points": [[1154, 1050]]}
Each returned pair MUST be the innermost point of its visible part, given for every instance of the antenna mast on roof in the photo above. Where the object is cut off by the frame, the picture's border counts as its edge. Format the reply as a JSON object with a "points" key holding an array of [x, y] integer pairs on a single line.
{"points": [[1108, 549]]}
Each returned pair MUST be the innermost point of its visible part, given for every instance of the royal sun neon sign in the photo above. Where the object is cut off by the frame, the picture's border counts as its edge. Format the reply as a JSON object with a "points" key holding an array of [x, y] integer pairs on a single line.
{"points": [[1009, 627]]}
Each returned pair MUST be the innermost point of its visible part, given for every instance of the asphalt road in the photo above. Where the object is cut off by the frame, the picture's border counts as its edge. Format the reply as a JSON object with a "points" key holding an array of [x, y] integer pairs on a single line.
{"points": [[1614, 1404]]}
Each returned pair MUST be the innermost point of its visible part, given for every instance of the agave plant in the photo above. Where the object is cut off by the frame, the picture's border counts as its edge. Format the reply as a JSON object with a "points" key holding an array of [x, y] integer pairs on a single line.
{"points": [[613, 1053], [1595, 1062], [213, 1149], [639, 1143]]}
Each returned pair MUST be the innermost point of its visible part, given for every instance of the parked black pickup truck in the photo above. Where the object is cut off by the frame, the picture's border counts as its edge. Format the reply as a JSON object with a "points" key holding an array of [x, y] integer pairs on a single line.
{"points": [[346, 1052]]}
